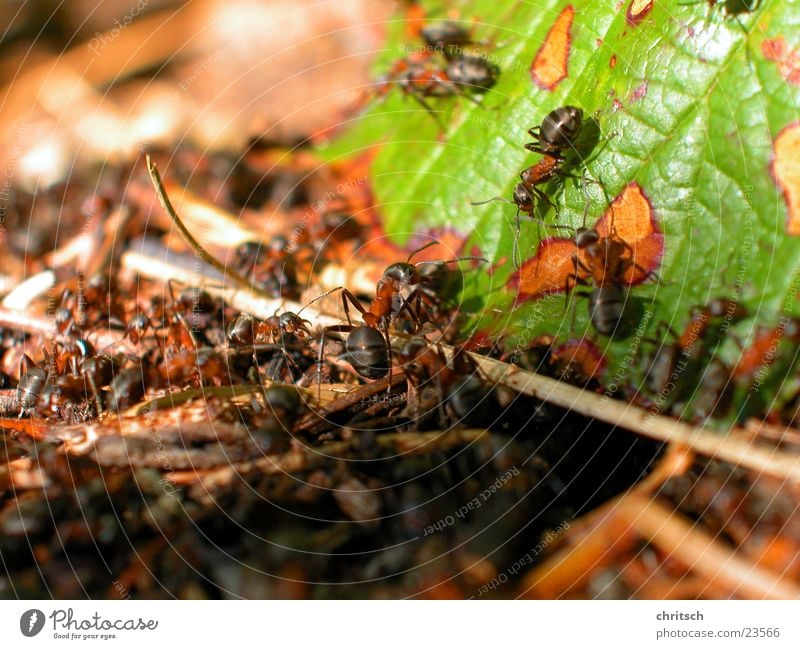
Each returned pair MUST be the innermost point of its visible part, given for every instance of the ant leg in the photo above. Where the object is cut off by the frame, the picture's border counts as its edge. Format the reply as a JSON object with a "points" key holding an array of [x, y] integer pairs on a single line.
{"points": [[179, 316], [95, 393], [515, 255], [389, 357], [320, 358], [406, 305], [347, 295], [429, 110]]}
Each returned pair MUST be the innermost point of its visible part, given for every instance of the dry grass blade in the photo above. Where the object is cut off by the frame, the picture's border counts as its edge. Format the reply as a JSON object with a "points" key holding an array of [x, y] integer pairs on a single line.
{"points": [[707, 442], [201, 252]]}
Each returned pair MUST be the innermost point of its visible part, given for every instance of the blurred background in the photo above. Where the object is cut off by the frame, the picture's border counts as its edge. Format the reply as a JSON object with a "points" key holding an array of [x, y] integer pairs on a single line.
{"points": [[88, 82]]}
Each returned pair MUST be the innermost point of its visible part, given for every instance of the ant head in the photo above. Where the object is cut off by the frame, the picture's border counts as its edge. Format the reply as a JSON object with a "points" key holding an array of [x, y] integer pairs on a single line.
{"points": [[585, 237], [403, 273], [291, 323], [522, 198]]}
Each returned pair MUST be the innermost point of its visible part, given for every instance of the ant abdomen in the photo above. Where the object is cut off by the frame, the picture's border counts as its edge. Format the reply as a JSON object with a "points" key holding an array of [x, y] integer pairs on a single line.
{"points": [[367, 352], [607, 308]]}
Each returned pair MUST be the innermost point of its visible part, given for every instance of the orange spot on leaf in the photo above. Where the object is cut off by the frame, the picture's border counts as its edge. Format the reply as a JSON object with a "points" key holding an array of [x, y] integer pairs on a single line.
{"points": [[630, 218], [547, 271], [776, 50], [581, 357], [638, 10], [786, 172], [549, 66]]}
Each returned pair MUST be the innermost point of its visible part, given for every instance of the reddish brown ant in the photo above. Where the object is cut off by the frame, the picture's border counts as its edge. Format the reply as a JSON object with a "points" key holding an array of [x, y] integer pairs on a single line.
{"points": [[457, 383], [527, 195], [401, 289], [247, 331], [422, 79], [673, 367], [762, 352], [606, 262]]}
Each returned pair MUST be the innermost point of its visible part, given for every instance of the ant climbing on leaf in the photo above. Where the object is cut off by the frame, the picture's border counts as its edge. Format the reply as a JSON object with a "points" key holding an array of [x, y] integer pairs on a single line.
{"points": [[557, 133], [605, 263]]}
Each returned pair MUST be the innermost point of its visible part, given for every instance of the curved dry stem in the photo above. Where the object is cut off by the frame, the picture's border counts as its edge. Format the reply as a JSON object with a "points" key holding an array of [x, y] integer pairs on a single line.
{"points": [[193, 243]]}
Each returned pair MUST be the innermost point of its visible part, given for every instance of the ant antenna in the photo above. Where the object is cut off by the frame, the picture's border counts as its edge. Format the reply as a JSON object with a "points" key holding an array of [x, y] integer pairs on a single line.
{"points": [[418, 250], [452, 261], [319, 297], [489, 200]]}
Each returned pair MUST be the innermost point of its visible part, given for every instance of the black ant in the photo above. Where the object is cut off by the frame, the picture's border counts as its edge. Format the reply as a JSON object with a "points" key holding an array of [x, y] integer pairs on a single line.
{"points": [[557, 133], [458, 386], [606, 261], [401, 289], [246, 331], [673, 367]]}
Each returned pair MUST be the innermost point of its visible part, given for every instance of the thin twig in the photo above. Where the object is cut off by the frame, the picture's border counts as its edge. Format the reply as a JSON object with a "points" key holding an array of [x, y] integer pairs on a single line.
{"points": [[193, 243], [711, 443]]}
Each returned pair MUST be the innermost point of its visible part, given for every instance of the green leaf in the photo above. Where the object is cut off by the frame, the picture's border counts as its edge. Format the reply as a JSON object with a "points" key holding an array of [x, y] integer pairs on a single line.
{"points": [[695, 107]]}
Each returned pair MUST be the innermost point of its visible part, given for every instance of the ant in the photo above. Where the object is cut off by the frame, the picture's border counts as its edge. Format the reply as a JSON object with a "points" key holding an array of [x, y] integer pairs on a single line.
{"points": [[421, 79], [527, 194], [458, 386], [557, 133], [272, 267], [688, 356], [401, 289], [246, 331], [762, 351], [51, 390], [606, 261]]}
